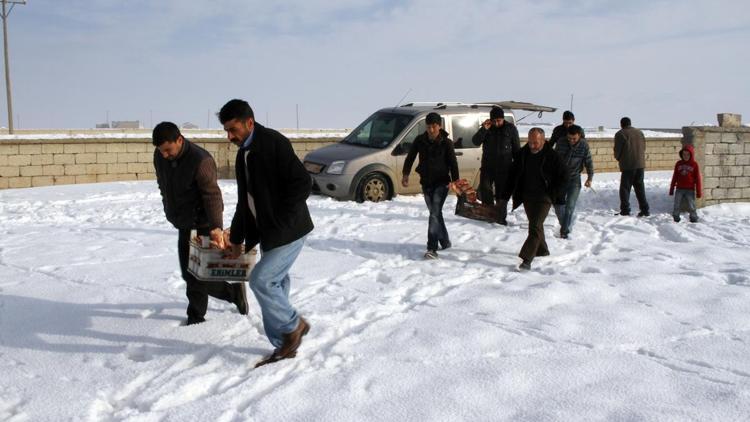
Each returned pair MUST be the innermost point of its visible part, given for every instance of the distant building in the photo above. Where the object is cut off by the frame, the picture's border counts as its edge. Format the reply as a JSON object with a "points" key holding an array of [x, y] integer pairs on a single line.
{"points": [[126, 124], [102, 125], [188, 125]]}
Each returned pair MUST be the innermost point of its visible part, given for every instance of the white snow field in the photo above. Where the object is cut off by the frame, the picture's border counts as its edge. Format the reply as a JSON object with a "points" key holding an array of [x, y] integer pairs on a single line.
{"points": [[629, 320]]}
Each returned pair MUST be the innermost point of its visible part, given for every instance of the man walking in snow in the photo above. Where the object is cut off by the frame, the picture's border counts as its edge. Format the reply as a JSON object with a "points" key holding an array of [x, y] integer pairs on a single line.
{"points": [[575, 154], [272, 189], [630, 153], [560, 132], [186, 174]]}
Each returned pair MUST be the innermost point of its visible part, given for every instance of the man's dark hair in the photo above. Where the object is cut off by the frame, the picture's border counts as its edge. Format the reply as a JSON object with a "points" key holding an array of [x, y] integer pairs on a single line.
{"points": [[433, 118], [575, 129], [165, 132], [536, 130], [568, 115], [235, 109], [625, 122]]}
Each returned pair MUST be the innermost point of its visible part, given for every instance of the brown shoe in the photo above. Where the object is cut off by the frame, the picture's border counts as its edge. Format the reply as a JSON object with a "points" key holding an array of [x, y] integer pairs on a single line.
{"points": [[273, 357], [240, 298], [292, 340]]}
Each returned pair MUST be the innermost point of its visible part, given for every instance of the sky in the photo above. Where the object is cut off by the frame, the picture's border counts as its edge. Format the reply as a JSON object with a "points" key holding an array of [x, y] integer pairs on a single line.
{"points": [[331, 63]]}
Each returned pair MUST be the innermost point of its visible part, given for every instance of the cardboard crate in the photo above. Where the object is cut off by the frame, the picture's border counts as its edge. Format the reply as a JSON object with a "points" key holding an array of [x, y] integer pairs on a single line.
{"points": [[209, 264]]}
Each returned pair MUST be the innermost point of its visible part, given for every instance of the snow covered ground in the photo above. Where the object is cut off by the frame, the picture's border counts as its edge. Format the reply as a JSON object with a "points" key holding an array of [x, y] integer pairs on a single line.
{"points": [[629, 320]]}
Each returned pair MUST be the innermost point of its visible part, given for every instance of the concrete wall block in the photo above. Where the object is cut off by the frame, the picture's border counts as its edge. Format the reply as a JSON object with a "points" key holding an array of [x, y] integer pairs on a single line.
{"points": [[727, 160], [86, 178], [747, 148], [42, 159], [54, 170], [3, 160], [742, 182], [146, 176], [89, 148], [117, 147], [711, 182], [52, 149], [30, 149], [86, 158], [713, 160], [75, 169], [19, 182], [8, 149], [74, 148], [32, 170], [718, 194], [746, 193], [37, 181], [64, 158], [713, 137], [129, 157], [4, 182], [19, 160], [742, 160], [729, 137], [146, 157], [65, 180], [736, 171], [96, 168], [117, 168], [746, 170], [734, 193], [721, 149], [736, 149], [726, 182], [139, 168], [106, 158], [10, 171], [117, 177], [139, 147]]}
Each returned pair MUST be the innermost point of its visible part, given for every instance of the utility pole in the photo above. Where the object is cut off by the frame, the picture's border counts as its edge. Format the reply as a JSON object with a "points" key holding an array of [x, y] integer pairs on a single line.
{"points": [[6, 13], [297, 107], [571, 102]]}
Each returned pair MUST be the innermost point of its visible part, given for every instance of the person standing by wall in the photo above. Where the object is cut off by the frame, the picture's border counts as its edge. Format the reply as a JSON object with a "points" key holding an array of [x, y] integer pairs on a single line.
{"points": [[536, 180], [575, 154], [499, 140], [630, 153], [686, 178], [438, 169], [186, 175], [272, 190]]}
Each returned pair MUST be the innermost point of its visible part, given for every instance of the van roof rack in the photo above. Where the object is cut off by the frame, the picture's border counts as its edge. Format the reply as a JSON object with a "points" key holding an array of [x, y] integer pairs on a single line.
{"points": [[514, 105]]}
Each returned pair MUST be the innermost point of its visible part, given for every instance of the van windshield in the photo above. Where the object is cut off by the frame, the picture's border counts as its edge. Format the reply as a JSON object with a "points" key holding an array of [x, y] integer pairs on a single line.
{"points": [[379, 130]]}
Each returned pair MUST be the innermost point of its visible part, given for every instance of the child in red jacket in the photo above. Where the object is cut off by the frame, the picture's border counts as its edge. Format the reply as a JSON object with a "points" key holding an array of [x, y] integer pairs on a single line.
{"points": [[687, 179]]}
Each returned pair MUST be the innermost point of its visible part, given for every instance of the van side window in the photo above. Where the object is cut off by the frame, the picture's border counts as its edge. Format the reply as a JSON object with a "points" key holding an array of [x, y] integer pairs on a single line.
{"points": [[409, 138], [464, 128]]}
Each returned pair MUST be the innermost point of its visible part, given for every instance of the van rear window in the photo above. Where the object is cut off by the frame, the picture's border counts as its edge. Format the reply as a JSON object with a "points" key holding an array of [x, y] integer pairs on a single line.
{"points": [[379, 130]]}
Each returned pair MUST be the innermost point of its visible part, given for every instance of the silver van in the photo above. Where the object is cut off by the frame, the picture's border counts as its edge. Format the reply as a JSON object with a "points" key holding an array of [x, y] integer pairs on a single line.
{"points": [[366, 165]]}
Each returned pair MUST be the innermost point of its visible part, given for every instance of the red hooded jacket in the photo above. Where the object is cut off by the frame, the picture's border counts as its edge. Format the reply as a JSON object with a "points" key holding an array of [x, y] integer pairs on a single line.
{"points": [[687, 174]]}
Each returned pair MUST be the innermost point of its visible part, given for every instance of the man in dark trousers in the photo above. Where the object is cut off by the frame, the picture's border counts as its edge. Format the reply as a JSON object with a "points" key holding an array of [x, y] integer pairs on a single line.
{"points": [[499, 141], [438, 169], [630, 153], [186, 174], [536, 181], [560, 132], [272, 189]]}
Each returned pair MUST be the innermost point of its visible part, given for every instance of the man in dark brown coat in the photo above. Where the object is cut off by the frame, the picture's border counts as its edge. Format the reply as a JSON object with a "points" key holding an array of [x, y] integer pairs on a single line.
{"points": [[186, 174], [630, 153]]}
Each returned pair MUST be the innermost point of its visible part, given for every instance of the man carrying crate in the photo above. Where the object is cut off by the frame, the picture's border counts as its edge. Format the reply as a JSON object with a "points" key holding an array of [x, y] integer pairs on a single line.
{"points": [[186, 174]]}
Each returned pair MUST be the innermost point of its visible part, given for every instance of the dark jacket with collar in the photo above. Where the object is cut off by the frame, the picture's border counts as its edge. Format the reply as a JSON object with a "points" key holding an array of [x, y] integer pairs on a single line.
{"points": [[189, 191], [576, 157], [559, 133], [279, 184], [551, 169], [498, 146], [630, 148], [437, 160]]}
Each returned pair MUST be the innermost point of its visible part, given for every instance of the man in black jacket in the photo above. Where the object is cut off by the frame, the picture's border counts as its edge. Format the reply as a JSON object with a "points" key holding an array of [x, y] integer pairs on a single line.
{"points": [[272, 189], [437, 169], [499, 141], [186, 174], [537, 178], [560, 132]]}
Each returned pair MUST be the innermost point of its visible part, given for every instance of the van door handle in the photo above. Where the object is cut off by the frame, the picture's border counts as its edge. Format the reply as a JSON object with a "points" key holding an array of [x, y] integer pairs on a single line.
{"points": [[459, 153]]}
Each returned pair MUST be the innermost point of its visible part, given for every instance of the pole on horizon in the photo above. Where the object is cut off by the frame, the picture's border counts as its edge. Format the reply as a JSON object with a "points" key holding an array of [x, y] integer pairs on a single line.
{"points": [[6, 13], [297, 107], [571, 102]]}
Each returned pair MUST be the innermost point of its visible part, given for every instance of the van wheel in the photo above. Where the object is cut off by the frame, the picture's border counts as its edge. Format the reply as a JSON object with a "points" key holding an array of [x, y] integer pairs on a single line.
{"points": [[374, 187]]}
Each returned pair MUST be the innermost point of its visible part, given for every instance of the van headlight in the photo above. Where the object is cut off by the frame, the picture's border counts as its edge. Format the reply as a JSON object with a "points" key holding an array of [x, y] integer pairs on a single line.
{"points": [[336, 167]]}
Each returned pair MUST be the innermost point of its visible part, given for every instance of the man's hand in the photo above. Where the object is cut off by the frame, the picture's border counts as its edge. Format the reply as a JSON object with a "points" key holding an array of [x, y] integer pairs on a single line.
{"points": [[487, 124], [217, 238], [405, 180], [234, 251], [587, 183]]}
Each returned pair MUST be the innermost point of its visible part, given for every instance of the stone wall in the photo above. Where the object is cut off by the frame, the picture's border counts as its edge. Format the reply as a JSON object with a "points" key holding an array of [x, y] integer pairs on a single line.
{"points": [[724, 157], [34, 162]]}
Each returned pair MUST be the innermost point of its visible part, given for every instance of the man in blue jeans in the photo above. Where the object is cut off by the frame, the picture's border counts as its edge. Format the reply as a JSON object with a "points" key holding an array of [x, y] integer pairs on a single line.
{"points": [[272, 190], [575, 154], [437, 169]]}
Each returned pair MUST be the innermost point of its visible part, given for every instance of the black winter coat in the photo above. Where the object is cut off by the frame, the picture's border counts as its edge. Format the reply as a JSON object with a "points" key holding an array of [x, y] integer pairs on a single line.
{"points": [[499, 144], [437, 160], [279, 185], [559, 133], [553, 173], [189, 192]]}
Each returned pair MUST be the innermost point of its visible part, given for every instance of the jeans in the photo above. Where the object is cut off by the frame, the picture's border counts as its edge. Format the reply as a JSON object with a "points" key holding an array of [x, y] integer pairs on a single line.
{"points": [[566, 213], [270, 283], [434, 197], [535, 244], [632, 178], [197, 291], [688, 195]]}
